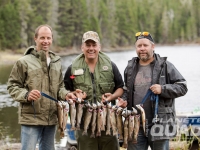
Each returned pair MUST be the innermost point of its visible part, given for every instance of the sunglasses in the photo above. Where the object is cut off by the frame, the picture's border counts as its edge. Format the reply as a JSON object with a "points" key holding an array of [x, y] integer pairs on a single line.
{"points": [[142, 33]]}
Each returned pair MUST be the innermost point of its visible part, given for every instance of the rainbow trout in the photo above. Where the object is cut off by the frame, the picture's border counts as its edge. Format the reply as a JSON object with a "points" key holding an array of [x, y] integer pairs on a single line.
{"points": [[143, 116], [113, 120], [99, 119], [125, 143], [130, 127], [119, 122], [94, 120], [72, 110], [108, 124], [136, 128], [87, 117], [65, 106], [105, 109], [60, 115]]}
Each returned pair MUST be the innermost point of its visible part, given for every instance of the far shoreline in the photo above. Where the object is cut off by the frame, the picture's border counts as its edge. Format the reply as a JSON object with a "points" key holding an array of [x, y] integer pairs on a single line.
{"points": [[9, 57]]}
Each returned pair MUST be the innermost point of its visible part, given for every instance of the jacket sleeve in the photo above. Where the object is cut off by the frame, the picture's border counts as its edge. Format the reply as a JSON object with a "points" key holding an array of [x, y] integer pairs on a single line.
{"points": [[176, 85], [16, 82]]}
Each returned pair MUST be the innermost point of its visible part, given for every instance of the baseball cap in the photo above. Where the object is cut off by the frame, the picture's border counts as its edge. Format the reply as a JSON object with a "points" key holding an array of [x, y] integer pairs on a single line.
{"points": [[90, 35]]}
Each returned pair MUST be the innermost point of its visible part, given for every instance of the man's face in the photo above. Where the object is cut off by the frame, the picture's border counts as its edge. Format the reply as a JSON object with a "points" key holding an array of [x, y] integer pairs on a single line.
{"points": [[44, 39], [144, 49], [91, 49]]}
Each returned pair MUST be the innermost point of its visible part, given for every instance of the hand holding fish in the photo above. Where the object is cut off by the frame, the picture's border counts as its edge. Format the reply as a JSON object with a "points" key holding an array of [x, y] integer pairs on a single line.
{"points": [[106, 98], [121, 103], [33, 95], [156, 88], [80, 95], [70, 95]]}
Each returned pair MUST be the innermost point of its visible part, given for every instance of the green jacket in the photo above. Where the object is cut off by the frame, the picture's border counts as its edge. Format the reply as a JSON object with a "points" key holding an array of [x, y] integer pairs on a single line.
{"points": [[96, 84], [31, 72]]}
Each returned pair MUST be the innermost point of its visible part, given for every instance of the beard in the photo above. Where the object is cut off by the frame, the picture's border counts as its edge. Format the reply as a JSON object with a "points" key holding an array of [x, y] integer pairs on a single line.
{"points": [[144, 58]]}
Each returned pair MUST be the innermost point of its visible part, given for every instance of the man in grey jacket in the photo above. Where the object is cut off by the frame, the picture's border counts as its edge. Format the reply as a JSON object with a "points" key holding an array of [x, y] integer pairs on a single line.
{"points": [[39, 70], [149, 73]]}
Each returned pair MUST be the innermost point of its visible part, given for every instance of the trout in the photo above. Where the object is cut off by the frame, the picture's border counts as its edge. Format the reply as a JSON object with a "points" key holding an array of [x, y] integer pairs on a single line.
{"points": [[72, 110], [125, 143], [113, 120], [65, 106], [119, 122], [87, 117], [108, 124], [130, 127], [94, 120], [60, 115], [99, 119], [105, 109], [143, 116], [126, 113], [136, 128], [79, 115]]}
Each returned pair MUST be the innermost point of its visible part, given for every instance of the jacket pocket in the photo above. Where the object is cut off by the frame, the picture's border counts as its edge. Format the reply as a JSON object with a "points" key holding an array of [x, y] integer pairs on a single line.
{"points": [[31, 108], [106, 87]]}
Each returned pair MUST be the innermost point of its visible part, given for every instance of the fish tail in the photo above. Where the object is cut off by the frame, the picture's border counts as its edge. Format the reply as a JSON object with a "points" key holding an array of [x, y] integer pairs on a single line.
{"points": [[108, 132], [73, 128], [62, 134], [124, 145], [92, 135], [98, 134], [84, 133]]}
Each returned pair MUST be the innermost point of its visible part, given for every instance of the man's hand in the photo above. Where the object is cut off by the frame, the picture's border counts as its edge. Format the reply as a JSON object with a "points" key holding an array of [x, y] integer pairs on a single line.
{"points": [[121, 102], [70, 95], [80, 95], [156, 88], [33, 95], [107, 97]]}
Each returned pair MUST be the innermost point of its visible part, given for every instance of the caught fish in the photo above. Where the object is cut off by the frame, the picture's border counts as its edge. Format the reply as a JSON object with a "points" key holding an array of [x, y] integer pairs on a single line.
{"points": [[60, 115], [94, 120], [79, 115], [113, 120], [130, 127], [134, 111], [88, 116], [105, 109], [108, 123], [99, 119], [65, 106], [136, 128], [143, 116], [126, 113], [72, 110], [125, 143], [119, 122]]}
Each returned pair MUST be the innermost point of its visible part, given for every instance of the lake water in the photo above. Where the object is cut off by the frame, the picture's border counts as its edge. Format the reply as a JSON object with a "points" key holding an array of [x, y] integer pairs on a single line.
{"points": [[185, 58]]}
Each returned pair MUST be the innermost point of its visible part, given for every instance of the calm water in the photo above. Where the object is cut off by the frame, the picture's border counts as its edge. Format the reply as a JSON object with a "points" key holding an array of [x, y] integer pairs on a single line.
{"points": [[185, 58]]}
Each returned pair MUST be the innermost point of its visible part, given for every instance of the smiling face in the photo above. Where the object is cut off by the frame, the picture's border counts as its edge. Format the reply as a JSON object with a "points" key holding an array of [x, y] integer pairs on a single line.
{"points": [[144, 50], [43, 39], [91, 50]]}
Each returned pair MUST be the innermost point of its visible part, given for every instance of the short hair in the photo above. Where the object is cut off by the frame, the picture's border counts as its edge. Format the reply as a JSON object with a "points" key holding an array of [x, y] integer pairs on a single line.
{"points": [[44, 25]]}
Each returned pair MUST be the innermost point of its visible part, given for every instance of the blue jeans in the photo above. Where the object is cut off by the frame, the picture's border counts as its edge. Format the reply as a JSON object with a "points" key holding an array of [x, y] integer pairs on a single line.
{"points": [[143, 142], [31, 134]]}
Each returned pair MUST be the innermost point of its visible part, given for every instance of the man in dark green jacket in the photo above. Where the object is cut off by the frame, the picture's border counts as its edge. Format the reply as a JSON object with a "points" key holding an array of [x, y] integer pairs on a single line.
{"points": [[152, 73], [94, 73], [39, 70]]}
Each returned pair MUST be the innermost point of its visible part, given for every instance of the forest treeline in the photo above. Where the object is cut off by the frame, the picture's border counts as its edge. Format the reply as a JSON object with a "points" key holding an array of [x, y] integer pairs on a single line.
{"points": [[116, 21]]}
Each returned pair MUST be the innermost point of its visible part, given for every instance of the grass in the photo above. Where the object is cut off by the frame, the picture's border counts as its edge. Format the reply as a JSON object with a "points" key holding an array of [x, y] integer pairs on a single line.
{"points": [[8, 57]]}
